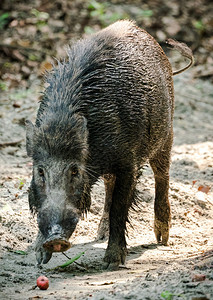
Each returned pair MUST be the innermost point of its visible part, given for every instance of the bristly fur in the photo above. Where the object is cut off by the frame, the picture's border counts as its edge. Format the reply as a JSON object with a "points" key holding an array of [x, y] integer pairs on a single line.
{"points": [[67, 78], [107, 110]]}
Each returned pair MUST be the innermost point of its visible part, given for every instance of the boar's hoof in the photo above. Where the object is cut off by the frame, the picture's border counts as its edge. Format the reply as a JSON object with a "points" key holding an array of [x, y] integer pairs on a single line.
{"points": [[56, 245], [114, 257], [161, 230], [43, 256]]}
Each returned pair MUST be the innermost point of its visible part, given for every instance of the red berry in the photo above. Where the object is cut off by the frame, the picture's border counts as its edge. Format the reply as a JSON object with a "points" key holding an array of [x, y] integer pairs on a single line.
{"points": [[42, 282]]}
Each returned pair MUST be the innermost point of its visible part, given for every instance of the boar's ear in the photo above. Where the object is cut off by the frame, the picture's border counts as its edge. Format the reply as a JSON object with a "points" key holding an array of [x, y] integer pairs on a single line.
{"points": [[29, 137]]}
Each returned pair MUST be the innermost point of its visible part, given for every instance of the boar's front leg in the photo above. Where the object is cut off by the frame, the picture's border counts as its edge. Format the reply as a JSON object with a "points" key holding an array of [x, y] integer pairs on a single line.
{"points": [[160, 166], [42, 256], [103, 229], [122, 198]]}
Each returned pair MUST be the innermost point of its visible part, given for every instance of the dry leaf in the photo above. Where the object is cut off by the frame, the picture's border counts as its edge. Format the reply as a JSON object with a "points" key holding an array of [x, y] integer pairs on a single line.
{"points": [[204, 188], [45, 66], [198, 277], [24, 43]]}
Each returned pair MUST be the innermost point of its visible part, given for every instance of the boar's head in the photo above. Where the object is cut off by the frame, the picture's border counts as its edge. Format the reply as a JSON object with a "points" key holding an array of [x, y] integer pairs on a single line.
{"points": [[59, 188]]}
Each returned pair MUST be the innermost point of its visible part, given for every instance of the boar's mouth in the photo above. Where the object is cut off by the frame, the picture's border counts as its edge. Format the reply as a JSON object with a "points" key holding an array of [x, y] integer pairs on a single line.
{"points": [[56, 245]]}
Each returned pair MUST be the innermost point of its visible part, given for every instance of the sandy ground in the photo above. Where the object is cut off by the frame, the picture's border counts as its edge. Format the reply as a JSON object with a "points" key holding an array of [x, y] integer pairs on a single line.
{"points": [[150, 269]]}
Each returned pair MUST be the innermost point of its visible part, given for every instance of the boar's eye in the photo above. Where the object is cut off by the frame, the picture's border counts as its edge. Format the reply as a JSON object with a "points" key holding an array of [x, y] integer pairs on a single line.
{"points": [[41, 172], [74, 171]]}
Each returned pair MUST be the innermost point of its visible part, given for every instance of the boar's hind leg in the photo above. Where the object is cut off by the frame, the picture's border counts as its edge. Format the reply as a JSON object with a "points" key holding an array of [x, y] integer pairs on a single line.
{"points": [[160, 166], [122, 198], [103, 229]]}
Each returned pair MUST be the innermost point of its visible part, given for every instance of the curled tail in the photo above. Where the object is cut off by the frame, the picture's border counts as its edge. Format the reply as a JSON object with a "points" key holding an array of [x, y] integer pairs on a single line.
{"points": [[185, 51]]}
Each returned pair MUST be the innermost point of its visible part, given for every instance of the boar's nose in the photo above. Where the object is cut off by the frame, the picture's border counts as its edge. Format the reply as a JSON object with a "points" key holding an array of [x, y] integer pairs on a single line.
{"points": [[56, 242], [57, 245]]}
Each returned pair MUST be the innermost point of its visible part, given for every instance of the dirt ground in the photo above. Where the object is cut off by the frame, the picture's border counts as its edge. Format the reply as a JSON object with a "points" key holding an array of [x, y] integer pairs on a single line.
{"points": [[150, 269], [182, 270]]}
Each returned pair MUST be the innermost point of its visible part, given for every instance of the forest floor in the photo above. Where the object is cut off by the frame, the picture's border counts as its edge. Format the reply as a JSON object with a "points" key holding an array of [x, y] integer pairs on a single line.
{"points": [[151, 269]]}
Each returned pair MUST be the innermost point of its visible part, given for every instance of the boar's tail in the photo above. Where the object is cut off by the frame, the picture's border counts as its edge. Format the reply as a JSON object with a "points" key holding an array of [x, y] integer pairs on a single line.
{"points": [[185, 51]]}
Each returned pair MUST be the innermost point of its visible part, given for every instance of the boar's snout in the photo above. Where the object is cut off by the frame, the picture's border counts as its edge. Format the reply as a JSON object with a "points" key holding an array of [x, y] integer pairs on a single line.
{"points": [[56, 241], [57, 225], [57, 245]]}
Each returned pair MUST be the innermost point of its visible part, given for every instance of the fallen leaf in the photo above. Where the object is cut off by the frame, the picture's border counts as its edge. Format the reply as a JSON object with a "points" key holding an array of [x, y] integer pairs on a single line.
{"points": [[102, 283], [68, 262], [198, 211], [200, 298], [18, 55], [204, 188], [198, 277], [16, 105], [20, 252], [24, 43], [45, 66], [186, 213], [107, 283]]}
